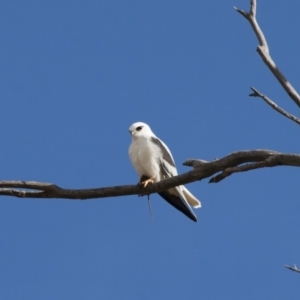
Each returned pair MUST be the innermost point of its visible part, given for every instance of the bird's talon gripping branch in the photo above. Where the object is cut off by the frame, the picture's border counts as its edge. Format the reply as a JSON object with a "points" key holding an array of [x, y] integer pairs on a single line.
{"points": [[146, 182]]}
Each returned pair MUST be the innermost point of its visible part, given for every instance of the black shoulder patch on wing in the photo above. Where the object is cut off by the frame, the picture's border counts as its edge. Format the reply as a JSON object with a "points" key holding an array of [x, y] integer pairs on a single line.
{"points": [[167, 157]]}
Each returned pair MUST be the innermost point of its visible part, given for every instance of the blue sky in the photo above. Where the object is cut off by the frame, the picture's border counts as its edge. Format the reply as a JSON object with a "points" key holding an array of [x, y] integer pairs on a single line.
{"points": [[74, 76]]}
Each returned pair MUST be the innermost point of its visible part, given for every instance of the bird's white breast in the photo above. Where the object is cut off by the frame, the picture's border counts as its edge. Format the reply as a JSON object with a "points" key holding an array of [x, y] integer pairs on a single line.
{"points": [[145, 157]]}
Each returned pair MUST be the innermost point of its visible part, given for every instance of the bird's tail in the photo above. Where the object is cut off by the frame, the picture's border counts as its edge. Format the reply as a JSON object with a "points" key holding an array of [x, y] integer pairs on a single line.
{"points": [[191, 199]]}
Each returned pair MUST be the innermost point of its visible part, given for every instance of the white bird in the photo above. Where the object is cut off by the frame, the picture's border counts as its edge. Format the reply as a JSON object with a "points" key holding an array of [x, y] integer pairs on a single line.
{"points": [[153, 162]]}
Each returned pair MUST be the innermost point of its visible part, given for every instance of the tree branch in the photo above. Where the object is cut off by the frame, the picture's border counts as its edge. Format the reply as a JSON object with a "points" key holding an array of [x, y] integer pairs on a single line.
{"points": [[247, 167], [235, 162], [256, 93], [294, 268], [263, 51]]}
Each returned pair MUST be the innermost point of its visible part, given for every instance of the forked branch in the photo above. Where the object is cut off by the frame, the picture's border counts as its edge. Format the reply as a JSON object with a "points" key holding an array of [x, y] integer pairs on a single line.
{"points": [[263, 51], [218, 169]]}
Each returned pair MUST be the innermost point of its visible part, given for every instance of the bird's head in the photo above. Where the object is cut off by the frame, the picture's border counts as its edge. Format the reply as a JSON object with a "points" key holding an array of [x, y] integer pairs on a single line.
{"points": [[139, 129]]}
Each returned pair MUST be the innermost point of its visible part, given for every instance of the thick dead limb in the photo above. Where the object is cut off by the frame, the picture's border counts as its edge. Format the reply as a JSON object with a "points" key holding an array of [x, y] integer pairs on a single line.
{"points": [[263, 51], [236, 162]]}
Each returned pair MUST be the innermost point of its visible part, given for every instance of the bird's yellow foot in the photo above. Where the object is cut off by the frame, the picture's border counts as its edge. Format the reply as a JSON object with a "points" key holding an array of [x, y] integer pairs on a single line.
{"points": [[146, 182]]}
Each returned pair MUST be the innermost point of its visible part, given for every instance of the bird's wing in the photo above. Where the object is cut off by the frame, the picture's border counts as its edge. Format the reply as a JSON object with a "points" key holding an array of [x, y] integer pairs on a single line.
{"points": [[179, 202], [176, 197], [169, 170], [167, 158]]}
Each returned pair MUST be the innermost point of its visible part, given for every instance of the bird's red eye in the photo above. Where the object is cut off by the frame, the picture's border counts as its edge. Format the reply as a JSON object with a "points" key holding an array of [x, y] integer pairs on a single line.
{"points": [[139, 128]]}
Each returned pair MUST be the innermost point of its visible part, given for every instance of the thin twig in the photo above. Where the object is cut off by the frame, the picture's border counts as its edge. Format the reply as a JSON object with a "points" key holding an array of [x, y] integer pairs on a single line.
{"points": [[243, 168], [294, 268], [263, 50], [256, 93]]}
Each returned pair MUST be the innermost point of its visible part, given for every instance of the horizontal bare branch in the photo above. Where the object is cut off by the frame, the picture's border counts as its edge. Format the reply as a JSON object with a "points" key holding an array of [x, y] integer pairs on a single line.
{"points": [[235, 162]]}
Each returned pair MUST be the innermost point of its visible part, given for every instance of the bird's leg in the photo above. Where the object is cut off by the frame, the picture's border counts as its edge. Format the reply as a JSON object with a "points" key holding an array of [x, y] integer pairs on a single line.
{"points": [[145, 180]]}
